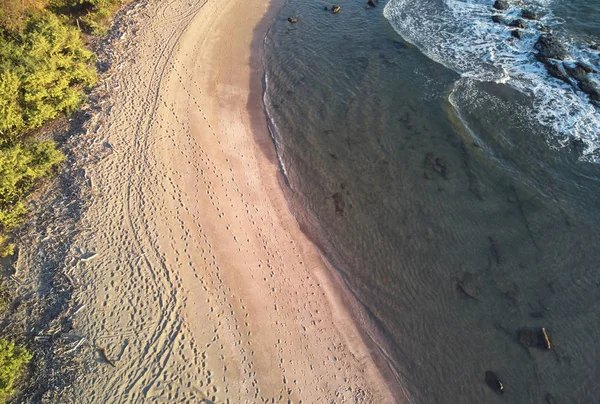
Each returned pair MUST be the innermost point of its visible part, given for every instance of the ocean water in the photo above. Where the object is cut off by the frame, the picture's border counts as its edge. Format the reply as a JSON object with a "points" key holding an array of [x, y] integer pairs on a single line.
{"points": [[453, 184]]}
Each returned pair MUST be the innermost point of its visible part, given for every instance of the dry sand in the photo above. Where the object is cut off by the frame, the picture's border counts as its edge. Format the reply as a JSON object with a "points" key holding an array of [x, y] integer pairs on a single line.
{"points": [[199, 285]]}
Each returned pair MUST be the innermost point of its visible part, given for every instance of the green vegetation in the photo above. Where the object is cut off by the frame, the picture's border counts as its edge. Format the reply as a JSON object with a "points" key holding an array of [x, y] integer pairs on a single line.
{"points": [[13, 360], [44, 71], [44, 68]]}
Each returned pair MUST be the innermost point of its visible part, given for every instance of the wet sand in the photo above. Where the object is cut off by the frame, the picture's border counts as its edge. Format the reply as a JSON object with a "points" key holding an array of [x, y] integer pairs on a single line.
{"points": [[199, 285]]}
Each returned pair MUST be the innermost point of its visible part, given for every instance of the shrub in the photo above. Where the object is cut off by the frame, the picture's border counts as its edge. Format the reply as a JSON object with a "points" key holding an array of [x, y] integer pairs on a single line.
{"points": [[20, 167], [42, 74], [12, 361]]}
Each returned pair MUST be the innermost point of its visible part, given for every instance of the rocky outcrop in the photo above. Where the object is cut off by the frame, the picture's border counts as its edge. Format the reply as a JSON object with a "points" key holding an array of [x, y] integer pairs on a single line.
{"points": [[335, 9], [518, 24], [501, 5], [550, 47], [292, 20], [529, 15]]}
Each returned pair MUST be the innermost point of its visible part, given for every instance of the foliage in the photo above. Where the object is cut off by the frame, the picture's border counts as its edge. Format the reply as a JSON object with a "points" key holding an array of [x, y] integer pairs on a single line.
{"points": [[42, 74], [13, 359], [20, 167], [14, 13]]}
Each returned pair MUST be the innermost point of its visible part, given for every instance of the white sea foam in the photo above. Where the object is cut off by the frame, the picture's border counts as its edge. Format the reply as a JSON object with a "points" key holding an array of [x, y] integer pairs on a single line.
{"points": [[461, 36]]}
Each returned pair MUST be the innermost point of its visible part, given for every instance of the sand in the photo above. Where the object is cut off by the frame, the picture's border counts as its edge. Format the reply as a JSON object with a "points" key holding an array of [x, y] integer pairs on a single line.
{"points": [[199, 285]]}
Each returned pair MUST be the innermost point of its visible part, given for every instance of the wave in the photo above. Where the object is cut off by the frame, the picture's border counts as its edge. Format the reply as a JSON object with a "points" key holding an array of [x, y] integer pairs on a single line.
{"points": [[462, 36]]}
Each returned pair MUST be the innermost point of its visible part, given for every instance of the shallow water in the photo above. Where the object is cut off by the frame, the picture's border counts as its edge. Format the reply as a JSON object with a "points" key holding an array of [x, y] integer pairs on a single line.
{"points": [[446, 180]]}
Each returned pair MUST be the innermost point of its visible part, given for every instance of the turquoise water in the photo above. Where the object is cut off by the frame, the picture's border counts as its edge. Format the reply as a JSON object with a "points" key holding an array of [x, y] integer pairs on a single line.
{"points": [[455, 216]]}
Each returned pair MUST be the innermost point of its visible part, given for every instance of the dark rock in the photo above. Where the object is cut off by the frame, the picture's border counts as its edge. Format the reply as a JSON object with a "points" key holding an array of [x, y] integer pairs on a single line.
{"points": [[550, 399], [595, 46], [518, 24], [536, 314], [469, 286], [292, 20], [494, 254], [494, 382], [587, 68], [338, 200], [501, 5], [517, 33], [326, 8], [534, 338], [437, 164], [371, 3], [335, 9], [590, 88], [549, 47], [529, 15], [498, 18], [556, 70], [577, 72]]}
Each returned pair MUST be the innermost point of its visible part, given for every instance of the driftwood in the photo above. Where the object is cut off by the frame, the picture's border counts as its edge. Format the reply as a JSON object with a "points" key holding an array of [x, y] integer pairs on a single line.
{"points": [[104, 356]]}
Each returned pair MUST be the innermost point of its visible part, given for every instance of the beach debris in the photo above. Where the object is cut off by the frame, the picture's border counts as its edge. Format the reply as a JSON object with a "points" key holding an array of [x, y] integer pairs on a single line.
{"points": [[88, 256], [534, 338], [494, 382], [292, 20], [547, 343], [521, 24], [338, 200], [437, 164], [335, 9], [104, 356], [371, 3], [529, 14], [501, 5]]}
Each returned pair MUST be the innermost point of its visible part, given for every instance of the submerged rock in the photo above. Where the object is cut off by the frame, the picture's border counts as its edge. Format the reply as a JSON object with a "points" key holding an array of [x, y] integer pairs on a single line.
{"points": [[498, 18], [518, 24], [438, 164], [529, 15], [517, 33], [501, 5], [577, 72], [587, 68], [338, 200], [335, 9], [591, 89], [371, 3], [556, 70], [494, 382], [534, 338], [469, 286]]}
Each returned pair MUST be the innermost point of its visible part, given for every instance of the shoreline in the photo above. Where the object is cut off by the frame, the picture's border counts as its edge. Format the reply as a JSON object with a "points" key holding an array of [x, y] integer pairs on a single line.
{"points": [[183, 306], [350, 311]]}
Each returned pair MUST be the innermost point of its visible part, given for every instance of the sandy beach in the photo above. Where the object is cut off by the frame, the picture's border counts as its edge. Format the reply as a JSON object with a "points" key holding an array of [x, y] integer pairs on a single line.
{"points": [[198, 284]]}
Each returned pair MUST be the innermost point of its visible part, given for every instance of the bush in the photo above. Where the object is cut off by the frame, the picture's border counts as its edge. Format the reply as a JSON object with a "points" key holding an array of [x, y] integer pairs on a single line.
{"points": [[42, 73], [12, 361], [14, 13], [20, 167]]}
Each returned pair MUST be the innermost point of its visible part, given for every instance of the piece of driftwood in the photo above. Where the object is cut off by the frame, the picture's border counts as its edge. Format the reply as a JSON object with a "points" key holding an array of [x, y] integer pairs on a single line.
{"points": [[104, 356]]}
